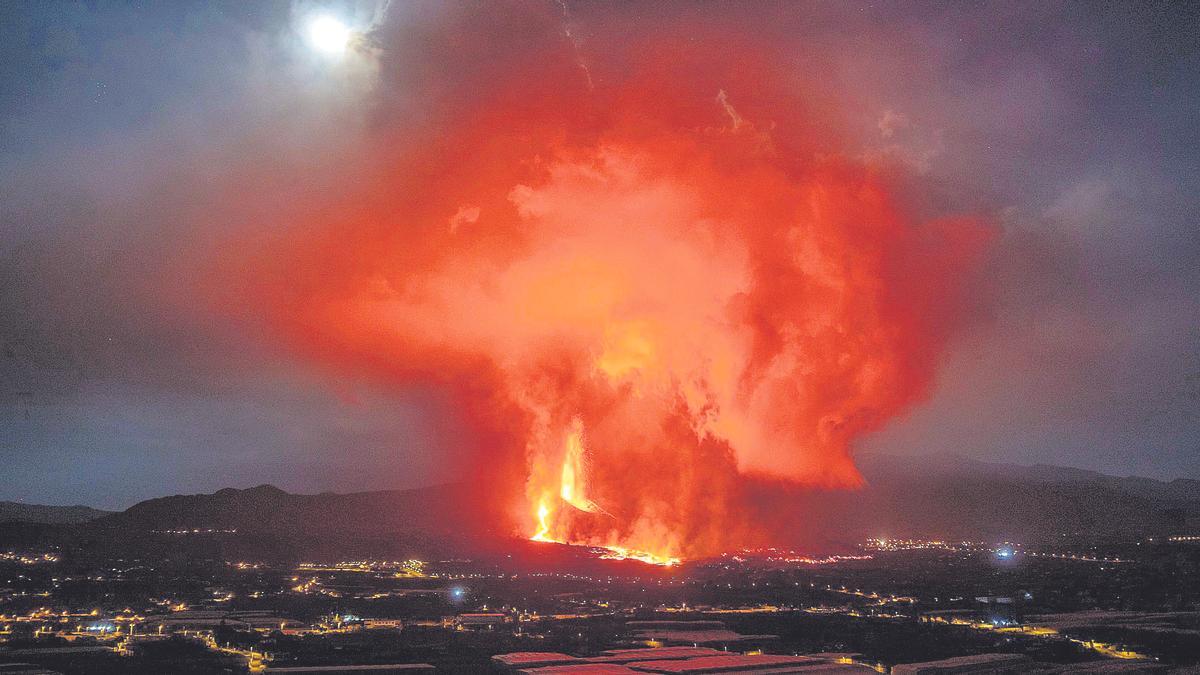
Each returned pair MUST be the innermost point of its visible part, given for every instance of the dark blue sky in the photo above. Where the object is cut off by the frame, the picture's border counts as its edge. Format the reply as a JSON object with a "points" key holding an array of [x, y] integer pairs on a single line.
{"points": [[1073, 124]]}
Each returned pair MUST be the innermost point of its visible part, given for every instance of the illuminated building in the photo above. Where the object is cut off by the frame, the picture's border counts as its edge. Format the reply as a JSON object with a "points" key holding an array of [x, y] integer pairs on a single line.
{"points": [[480, 621]]}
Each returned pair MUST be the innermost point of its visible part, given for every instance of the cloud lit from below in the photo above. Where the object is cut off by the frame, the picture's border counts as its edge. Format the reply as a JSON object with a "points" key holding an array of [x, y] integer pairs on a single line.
{"points": [[639, 297]]}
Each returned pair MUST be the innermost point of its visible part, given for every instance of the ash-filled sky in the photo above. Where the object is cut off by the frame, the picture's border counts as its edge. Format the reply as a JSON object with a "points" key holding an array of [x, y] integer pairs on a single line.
{"points": [[167, 171]]}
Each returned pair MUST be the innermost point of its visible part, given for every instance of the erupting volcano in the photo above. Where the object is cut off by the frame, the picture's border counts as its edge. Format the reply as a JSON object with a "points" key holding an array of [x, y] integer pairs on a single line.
{"points": [[640, 293]]}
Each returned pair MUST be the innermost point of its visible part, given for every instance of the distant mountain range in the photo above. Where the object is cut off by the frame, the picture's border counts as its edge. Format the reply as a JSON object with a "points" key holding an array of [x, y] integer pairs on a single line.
{"points": [[880, 467], [50, 515], [266, 522], [933, 496], [266, 509], [957, 497]]}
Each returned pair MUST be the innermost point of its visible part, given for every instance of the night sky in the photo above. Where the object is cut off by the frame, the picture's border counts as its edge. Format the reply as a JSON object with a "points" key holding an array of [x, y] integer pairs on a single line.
{"points": [[140, 142]]}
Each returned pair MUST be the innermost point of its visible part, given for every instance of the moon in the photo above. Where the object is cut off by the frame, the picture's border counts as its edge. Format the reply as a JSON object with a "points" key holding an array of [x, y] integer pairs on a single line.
{"points": [[327, 34]]}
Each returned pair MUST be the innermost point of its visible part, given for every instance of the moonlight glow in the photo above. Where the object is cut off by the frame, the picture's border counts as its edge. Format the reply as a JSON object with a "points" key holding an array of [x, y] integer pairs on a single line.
{"points": [[328, 35]]}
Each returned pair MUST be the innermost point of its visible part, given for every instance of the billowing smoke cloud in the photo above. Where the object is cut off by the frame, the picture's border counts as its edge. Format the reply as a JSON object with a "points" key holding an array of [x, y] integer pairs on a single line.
{"points": [[158, 155], [640, 285]]}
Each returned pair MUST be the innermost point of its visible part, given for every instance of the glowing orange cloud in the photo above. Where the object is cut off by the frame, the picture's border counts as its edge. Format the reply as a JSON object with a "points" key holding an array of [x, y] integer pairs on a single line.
{"points": [[637, 306]]}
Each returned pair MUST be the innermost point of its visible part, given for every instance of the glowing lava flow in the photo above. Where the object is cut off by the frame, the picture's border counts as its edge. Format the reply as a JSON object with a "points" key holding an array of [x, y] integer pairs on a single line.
{"points": [[609, 552], [573, 491], [620, 553], [573, 488], [543, 528]]}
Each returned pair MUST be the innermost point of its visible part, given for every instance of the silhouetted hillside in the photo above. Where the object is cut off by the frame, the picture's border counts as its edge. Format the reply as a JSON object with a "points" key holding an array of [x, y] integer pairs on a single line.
{"points": [[956, 497], [265, 521], [51, 515], [950, 466]]}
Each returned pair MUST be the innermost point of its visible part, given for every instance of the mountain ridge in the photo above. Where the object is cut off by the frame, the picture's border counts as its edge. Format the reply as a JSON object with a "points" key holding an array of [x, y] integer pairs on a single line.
{"points": [[20, 512], [935, 497], [957, 464]]}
